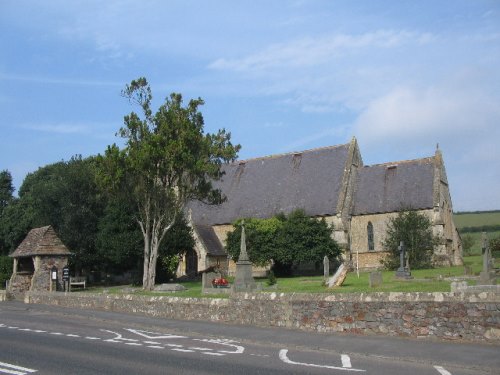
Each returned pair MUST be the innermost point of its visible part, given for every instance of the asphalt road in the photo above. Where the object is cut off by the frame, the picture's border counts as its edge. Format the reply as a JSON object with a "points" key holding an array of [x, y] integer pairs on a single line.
{"points": [[52, 340]]}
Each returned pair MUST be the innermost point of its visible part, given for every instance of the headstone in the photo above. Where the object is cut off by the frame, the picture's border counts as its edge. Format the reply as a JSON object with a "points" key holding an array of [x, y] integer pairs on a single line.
{"points": [[326, 267], [243, 280], [375, 279], [403, 272], [207, 278], [339, 276], [169, 288]]}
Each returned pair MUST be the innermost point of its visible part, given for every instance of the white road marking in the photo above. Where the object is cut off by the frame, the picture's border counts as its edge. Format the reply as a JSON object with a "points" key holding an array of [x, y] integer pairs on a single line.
{"points": [[92, 338], [284, 358], [200, 349], [119, 336], [183, 350], [442, 370], [133, 343], [346, 361], [154, 335], [72, 335], [13, 327], [155, 347], [113, 340], [230, 343], [39, 331], [25, 329], [174, 346], [10, 369], [215, 354], [57, 333], [152, 342]]}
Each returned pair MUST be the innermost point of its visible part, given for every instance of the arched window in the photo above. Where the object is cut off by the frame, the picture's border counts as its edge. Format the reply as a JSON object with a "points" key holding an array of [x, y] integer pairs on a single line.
{"points": [[371, 242]]}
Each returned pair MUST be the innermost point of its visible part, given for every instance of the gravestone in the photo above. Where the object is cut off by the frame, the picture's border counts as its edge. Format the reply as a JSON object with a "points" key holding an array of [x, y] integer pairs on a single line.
{"points": [[243, 280], [375, 279], [403, 272], [339, 276]]}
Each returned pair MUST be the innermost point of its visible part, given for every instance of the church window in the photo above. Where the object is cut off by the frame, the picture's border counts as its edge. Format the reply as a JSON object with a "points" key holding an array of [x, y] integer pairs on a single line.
{"points": [[369, 230]]}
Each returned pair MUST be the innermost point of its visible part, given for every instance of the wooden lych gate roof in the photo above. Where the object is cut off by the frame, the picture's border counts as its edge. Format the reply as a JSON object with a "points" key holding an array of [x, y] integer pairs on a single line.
{"points": [[41, 241]]}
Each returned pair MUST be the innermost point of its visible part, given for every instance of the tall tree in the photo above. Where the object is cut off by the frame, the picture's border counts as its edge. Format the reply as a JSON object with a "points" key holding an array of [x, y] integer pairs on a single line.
{"points": [[6, 189], [6, 198], [166, 162], [415, 230]]}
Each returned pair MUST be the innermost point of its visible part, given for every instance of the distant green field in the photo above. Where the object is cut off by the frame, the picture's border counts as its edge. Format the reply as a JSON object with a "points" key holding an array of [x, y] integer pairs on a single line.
{"points": [[469, 219], [472, 224]]}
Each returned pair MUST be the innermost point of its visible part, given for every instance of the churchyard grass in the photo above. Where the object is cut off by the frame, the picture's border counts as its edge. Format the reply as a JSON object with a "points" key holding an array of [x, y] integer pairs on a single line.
{"points": [[428, 280]]}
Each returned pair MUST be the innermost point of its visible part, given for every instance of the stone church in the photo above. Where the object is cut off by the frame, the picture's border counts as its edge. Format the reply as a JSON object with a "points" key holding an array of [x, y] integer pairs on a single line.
{"points": [[331, 183]]}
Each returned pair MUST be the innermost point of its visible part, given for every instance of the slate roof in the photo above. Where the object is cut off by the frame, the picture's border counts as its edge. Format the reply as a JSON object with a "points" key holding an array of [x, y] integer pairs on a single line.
{"points": [[263, 187], [393, 186], [210, 240], [40, 241]]}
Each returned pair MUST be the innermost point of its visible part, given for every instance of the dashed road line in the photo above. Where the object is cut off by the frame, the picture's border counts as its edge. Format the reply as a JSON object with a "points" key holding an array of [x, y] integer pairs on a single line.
{"points": [[155, 347], [346, 361], [92, 338], [442, 370], [183, 350], [7, 368]]}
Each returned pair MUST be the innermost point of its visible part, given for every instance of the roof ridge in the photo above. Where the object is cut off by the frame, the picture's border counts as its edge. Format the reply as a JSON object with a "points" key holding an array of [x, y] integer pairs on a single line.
{"points": [[276, 156], [427, 158]]}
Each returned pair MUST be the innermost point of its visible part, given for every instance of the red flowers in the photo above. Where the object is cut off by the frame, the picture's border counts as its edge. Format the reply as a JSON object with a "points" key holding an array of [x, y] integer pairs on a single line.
{"points": [[220, 282]]}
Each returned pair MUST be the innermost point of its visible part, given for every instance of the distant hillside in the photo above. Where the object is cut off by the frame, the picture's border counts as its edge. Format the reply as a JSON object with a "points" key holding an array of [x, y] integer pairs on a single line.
{"points": [[481, 221]]}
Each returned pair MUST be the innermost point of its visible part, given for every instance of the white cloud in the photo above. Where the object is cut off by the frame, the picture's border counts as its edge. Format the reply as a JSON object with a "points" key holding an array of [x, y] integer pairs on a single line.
{"points": [[310, 51]]}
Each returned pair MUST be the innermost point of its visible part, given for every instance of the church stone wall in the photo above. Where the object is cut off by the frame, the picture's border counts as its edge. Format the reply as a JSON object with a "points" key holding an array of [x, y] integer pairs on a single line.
{"points": [[359, 238]]}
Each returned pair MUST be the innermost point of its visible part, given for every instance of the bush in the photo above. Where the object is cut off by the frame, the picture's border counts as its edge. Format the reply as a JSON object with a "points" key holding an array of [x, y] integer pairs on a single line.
{"points": [[415, 230], [5, 270]]}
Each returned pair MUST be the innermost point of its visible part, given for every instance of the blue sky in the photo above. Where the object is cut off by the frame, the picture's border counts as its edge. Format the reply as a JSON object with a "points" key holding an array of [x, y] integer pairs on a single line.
{"points": [[281, 76]]}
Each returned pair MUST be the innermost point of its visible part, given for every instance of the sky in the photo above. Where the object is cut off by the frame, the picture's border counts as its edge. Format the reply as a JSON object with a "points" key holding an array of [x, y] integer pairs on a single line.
{"points": [[281, 76]]}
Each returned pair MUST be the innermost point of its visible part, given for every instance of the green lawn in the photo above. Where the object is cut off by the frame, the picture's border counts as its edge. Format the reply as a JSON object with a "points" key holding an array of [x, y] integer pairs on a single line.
{"points": [[430, 280], [471, 219]]}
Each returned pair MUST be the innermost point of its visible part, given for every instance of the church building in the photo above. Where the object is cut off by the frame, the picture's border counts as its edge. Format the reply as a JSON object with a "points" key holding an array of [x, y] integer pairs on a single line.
{"points": [[330, 183]]}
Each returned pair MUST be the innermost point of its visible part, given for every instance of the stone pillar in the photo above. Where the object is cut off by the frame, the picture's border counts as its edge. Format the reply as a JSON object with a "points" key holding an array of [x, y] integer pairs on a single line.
{"points": [[243, 281]]}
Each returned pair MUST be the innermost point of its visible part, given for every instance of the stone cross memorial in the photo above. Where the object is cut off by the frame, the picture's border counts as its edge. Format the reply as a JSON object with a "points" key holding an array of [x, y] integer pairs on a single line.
{"points": [[243, 280], [402, 272], [487, 275]]}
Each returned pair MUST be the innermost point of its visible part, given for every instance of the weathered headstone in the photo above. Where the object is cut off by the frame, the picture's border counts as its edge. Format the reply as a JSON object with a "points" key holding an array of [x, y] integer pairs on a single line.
{"points": [[339, 276], [375, 279], [243, 280], [403, 272]]}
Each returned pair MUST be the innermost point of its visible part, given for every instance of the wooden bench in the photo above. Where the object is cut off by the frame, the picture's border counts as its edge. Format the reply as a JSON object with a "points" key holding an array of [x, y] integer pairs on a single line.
{"points": [[77, 281]]}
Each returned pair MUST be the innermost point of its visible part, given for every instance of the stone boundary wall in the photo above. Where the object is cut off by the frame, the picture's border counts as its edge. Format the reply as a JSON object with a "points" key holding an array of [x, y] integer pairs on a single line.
{"points": [[3, 295], [466, 316]]}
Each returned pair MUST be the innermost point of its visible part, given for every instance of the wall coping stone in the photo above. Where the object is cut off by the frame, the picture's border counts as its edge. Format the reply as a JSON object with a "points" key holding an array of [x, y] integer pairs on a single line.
{"points": [[470, 296]]}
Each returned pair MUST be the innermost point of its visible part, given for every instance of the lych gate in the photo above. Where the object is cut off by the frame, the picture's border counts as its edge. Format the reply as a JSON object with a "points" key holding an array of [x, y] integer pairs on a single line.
{"points": [[40, 253]]}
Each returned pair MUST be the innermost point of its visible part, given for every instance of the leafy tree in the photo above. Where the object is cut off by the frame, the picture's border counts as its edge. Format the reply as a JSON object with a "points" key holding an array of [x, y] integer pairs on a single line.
{"points": [[6, 198], [286, 241], [415, 230], [495, 247], [166, 162], [467, 243], [119, 239], [65, 196], [6, 189], [261, 236], [6, 264], [303, 239]]}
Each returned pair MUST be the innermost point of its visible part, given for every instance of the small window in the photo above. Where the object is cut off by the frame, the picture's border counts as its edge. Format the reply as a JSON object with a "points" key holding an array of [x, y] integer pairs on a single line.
{"points": [[369, 230]]}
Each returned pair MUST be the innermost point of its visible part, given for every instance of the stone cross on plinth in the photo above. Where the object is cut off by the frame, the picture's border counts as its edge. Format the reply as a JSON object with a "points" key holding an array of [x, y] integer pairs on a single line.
{"points": [[487, 275], [402, 272], [243, 281]]}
